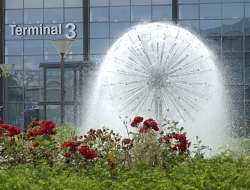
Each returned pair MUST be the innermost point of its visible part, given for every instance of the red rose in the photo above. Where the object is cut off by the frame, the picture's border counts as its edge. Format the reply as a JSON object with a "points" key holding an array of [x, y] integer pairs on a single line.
{"points": [[182, 144], [136, 121], [150, 123], [11, 130], [70, 144], [87, 152], [43, 127]]}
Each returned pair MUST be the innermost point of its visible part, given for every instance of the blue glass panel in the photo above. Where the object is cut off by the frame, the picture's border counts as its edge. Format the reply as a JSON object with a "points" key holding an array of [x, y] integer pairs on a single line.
{"points": [[32, 62], [210, 27], [53, 15], [13, 16], [119, 2], [161, 2], [99, 14], [98, 46], [140, 13], [232, 27], [33, 16], [94, 3], [73, 3], [14, 4], [33, 47], [210, 11], [14, 47], [117, 29], [188, 11], [161, 12], [119, 14], [140, 2], [95, 31], [73, 14], [53, 3], [233, 10], [33, 3]]}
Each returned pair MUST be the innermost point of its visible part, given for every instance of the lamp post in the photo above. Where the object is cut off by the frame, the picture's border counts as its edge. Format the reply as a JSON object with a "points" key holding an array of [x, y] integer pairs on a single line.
{"points": [[62, 46]]}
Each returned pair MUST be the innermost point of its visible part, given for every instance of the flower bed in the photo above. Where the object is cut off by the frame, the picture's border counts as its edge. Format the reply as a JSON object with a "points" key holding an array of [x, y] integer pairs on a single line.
{"points": [[153, 156]]}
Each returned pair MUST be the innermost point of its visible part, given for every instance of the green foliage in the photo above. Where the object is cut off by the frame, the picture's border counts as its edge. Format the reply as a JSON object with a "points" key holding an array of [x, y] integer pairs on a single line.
{"points": [[222, 172]]}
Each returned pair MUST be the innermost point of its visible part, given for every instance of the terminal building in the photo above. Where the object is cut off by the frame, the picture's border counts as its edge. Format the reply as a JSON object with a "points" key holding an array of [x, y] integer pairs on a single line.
{"points": [[32, 90]]}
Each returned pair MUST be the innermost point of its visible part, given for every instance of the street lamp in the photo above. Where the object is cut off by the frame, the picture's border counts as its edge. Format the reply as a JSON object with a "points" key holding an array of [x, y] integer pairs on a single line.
{"points": [[62, 46]]}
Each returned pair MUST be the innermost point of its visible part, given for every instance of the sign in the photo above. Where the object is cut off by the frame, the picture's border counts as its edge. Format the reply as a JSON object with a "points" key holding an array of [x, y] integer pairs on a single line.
{"points": [[69, 30]]}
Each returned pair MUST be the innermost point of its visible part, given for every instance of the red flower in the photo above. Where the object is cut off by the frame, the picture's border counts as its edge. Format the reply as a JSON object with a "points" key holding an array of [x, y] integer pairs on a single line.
{"points": [[67, 155], [182, 144], [87, 152], [11, 130], [43, 127], [70, 144], [150, 123], [136, 121]]}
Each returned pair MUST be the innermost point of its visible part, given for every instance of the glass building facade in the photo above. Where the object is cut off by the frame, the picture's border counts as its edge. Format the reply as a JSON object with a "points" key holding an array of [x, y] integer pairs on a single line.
{"points": [[223, 24]]}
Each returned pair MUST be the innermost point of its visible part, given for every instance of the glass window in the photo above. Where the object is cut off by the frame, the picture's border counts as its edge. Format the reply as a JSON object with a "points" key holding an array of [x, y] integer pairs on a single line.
{"points": [[53, 112], [210, 27], [161, 2], [33, 47], [15, 94], [233, 67], [247, 25], [13, 16], [16, 60], [96, 59], [49, 49], [119, 2], [140, 2], [99, 14], [247, 44], [231, 43], [14, 114], [73, 14], [31, 78], [188, 11], [232, 27], [117, 29], [33, 16], [32, 62], [32, 95], [247, 59], [73, 3], [51, 58], [77, 47], [69, 113], [233, 10], [8, 35], [247, 10], [98, 46], [33, 3], [71, 58], [210, 11], [188, 1], [140, 13], [94, 3], [53, 3], [190, 24], [14, 4], [95, 31], [53, 15], [210, 1], [14, 47], [119, 14], [161, 12]]}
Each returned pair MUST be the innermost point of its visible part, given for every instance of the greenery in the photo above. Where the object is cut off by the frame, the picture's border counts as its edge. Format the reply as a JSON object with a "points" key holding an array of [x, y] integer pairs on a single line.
{"points": [[155, 156]]}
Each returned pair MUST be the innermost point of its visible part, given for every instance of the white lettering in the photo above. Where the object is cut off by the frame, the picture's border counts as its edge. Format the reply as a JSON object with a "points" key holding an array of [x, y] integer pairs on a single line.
{"points": [[70, 30], [19, 31], [12, 26]]}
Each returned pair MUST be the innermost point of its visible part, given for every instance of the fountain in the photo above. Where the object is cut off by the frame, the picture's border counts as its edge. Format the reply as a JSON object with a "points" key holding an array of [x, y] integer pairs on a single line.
{"points": [[162, 71]]}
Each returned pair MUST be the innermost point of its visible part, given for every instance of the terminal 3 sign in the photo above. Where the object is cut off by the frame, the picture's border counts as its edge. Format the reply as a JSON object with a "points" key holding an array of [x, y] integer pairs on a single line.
{"points": [[69, 30]]}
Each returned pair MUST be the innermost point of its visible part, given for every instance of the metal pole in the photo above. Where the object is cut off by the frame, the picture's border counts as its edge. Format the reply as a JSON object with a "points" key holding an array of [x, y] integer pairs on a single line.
{"points": [[62, 88], [175, 11]]}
